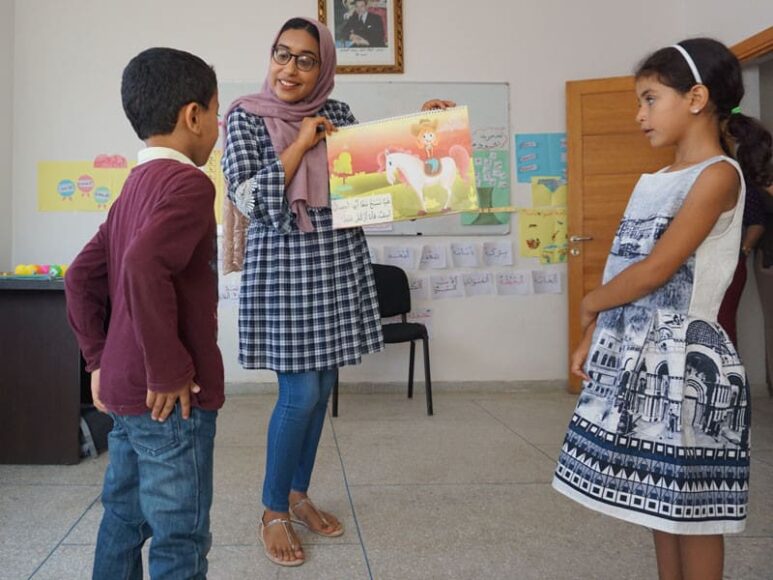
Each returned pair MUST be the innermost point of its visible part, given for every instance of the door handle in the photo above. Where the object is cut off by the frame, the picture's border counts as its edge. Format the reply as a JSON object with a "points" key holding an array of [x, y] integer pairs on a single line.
{"points": [[575, 239]]}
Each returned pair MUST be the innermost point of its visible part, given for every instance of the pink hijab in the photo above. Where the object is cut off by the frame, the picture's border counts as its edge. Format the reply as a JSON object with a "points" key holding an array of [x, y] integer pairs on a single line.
{"points": [[309, 186]]}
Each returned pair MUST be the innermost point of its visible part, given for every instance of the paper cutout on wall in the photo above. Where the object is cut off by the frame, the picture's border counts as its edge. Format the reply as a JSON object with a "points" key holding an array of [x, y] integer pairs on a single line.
{"points": [[446, 286], [93, 186], [478, 283], [540, 154], [433, 257], [401, 256], [486, 138], [215, 173], [548, 191], [517, 283], [464, 255], [228, 287], [67, 186], [492, 175], [498, 253], [542, 233], [418, 287], [547, 282]]}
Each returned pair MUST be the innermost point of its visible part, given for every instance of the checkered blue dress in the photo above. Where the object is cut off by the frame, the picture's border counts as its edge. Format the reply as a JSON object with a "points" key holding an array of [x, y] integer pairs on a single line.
{"points": [[308, 300]]}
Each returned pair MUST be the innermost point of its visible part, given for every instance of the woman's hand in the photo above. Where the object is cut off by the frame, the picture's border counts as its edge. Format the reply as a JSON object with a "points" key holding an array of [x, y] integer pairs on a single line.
{"points": [[437, 104], [577, 361], [312, 131]]}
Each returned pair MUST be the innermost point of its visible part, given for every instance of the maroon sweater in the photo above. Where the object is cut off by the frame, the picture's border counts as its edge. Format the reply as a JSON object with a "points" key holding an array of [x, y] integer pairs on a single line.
{"points": [[152, 265]]}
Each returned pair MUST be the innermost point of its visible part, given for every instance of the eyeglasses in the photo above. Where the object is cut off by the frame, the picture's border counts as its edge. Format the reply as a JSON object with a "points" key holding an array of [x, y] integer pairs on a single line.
{"points": [[304, 62]]}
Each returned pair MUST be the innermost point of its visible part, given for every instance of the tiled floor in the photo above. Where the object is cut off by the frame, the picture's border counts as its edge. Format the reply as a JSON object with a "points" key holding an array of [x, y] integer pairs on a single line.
{"points": [[464, 494]]}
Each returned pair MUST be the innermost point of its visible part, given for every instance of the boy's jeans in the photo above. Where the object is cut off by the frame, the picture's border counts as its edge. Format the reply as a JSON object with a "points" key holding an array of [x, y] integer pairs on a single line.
{"points": [[159, 484], [293, 434]]}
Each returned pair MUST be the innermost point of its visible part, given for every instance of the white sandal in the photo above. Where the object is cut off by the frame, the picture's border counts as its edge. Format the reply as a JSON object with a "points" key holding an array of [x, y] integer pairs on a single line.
{"points": [[285, 524], [337, 532]]}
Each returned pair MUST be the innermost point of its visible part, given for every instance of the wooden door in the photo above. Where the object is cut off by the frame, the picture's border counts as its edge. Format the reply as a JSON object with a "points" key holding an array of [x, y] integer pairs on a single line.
{"points": [[607, 152]]}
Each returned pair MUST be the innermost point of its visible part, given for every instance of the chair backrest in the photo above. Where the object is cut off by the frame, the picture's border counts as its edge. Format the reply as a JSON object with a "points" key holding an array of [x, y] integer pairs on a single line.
{"points": [[394, 294]]}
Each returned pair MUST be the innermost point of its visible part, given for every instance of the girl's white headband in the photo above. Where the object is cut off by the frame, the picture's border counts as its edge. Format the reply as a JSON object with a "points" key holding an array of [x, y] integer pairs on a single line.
{"points": [[690, 62]]}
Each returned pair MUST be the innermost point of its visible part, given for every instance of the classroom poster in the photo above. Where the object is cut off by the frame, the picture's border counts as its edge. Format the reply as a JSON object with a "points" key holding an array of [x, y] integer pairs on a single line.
{"points": [[540, 154], [68, 186], [408, 167], [93, 186], [433, 257], [446, 286], [543, 235], [214, 171], [548, 190], [514, 283], [547, 282], [419, 288], [492, 177], [478, 283], [404, 257], [498, 253]]}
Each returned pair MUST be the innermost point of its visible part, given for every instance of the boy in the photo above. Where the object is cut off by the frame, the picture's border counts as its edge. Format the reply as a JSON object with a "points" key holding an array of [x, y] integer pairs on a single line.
{"points": [[157, 369]]}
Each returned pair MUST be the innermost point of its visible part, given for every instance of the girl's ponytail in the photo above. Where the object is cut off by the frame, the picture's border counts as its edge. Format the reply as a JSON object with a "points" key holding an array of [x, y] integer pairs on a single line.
{"points": [[752, 148]]}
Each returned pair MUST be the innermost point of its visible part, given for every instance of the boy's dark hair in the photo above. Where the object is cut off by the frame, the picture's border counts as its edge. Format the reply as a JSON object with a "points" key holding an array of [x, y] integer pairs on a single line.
{"points": [[721, 74], [300, 24], [158, 82]]}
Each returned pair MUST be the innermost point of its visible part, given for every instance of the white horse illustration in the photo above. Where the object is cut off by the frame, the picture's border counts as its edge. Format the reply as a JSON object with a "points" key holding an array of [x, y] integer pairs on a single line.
{"points": [[411, 168]]}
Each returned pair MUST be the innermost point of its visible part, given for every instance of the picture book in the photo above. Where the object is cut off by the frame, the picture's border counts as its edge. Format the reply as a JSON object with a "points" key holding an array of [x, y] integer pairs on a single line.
{"points": [[402, 168]]}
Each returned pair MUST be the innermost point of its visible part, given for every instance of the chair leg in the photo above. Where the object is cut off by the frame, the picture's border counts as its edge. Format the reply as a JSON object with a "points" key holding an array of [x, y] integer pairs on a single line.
{"points": [[427, 376], [410, 369], [335, 397]]}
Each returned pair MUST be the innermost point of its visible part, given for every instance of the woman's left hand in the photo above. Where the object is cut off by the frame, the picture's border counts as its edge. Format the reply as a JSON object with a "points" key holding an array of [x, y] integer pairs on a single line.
{"points": [[437, 104]]}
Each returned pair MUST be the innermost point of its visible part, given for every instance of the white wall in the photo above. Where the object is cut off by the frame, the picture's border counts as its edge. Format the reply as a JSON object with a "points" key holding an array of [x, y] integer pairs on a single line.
{"points": [[69, 57], [6, 134]]}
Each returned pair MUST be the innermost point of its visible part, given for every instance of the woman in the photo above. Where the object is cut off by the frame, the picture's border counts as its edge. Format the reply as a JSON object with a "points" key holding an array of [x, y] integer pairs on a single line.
{"points": [[308, 299]]}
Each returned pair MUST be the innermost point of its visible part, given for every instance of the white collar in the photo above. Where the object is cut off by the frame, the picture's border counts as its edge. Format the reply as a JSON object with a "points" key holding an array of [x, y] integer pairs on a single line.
{"points": [[153, 153]]}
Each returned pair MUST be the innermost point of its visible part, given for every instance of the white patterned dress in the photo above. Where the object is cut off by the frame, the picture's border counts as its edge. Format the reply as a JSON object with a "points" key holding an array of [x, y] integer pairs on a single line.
{"points": [[660, 434]]}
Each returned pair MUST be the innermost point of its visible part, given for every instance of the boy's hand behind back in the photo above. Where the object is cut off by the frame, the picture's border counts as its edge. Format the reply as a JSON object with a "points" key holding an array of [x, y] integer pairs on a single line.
{"points": [[95, 392], [162, 404]]}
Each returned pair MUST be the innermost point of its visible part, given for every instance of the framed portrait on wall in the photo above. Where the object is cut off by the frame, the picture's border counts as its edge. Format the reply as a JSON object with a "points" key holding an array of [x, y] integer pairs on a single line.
{"points": [[368, 34]]}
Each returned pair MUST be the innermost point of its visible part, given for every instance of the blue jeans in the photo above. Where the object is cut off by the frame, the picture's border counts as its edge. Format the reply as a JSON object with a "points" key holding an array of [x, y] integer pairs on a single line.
{"points": [[159, 484], [293, 434]]}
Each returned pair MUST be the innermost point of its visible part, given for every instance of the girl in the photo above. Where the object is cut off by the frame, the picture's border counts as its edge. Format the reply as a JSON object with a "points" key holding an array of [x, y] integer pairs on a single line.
{"points": [[660, 435], [308, 300]]}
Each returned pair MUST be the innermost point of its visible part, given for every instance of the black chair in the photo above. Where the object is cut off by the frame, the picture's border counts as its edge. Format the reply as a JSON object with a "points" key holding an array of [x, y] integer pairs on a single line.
{"points": [[394, 298]]}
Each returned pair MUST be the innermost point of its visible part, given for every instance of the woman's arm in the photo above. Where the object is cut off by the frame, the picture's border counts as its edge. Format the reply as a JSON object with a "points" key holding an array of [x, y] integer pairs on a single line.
{"points": [[751, 238], [312, 131], [255, 185], [714, 192]]}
